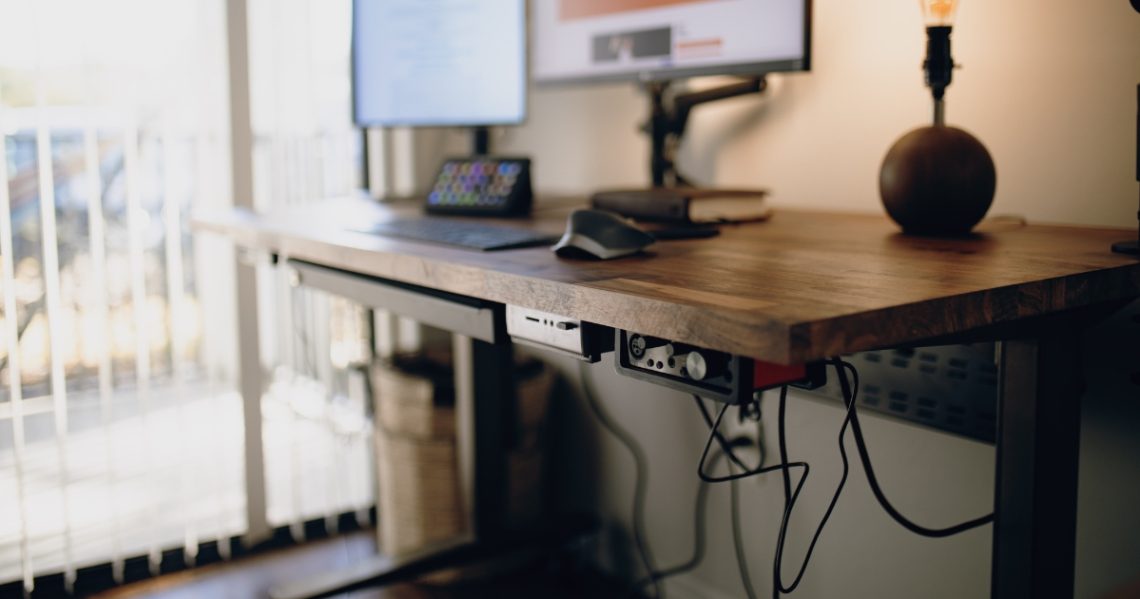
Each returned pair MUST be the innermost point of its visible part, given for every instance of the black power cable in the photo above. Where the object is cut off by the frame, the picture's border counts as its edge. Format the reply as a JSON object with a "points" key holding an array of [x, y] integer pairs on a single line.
{"points": [[737, 537], [791, 494], [714, 429], [783, 466], [728, 446], [790, 498], [724, 444], [849, 389], [641, 469], [846, 387], [700, 532]]}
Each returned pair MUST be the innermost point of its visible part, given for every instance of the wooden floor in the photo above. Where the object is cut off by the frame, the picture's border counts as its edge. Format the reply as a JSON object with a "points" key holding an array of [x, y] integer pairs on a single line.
{"points": [[253, 577]]}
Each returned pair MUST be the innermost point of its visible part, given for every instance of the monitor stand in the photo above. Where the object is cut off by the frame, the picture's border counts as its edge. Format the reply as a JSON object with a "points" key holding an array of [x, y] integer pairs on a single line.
{"points": [[668, 119], [481, 141]]}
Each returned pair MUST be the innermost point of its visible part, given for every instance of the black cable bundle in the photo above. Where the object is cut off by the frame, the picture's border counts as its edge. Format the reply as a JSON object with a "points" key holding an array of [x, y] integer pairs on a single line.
{"points": [[790, 497], [872, 480], [728, 447], [849, 390]]}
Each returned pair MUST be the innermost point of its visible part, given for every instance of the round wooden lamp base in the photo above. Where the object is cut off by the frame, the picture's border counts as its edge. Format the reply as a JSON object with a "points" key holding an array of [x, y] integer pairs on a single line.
{"points": [[937, 181]]}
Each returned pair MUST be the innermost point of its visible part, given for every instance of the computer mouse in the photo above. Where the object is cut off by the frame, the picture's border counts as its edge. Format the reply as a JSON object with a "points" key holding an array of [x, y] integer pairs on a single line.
{"points": [[600, 234]]}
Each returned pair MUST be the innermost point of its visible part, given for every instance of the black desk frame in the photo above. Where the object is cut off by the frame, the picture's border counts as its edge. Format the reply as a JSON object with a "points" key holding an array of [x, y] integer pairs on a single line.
{"points": [[1038, 441], [1038, 458]]}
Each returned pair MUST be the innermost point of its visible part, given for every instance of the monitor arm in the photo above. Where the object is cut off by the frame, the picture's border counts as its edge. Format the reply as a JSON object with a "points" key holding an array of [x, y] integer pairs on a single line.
{"points": [[667, 122]]}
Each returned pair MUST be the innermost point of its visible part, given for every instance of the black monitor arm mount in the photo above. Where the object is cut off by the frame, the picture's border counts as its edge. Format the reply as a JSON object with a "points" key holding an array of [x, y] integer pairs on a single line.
{"points": [[669, 117]]}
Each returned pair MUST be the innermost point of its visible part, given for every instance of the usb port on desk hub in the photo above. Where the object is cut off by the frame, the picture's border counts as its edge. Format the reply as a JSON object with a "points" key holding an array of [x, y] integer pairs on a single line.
{"points": [[545, 330]]}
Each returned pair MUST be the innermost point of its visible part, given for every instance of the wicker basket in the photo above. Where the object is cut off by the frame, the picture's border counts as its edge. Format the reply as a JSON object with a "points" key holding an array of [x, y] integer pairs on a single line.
{"points": [[418, 499]]}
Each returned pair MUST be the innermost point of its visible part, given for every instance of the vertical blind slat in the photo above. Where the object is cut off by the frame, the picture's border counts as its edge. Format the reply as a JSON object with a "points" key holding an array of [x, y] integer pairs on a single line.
{"points": [[295, 484], [46, 171], [135, 259], [12, 332], [172, 221], [99, 306], [96, 228]]}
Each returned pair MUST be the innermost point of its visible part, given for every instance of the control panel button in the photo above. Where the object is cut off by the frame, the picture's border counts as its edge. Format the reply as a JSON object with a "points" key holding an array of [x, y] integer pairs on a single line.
{"points": [[700, 367]]}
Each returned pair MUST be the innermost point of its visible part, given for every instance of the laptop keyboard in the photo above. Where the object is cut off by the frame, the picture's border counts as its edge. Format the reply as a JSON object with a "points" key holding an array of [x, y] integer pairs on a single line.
{"points": [[475, 236]]}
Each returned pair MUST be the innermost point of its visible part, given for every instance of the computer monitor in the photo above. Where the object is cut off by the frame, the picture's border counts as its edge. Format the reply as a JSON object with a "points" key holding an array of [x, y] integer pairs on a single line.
{"points": [[438, 62], [656, 41]]}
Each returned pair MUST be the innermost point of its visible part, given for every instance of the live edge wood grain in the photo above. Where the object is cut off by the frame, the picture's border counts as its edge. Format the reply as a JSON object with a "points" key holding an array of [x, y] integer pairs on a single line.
{"points": [[801, 286]]}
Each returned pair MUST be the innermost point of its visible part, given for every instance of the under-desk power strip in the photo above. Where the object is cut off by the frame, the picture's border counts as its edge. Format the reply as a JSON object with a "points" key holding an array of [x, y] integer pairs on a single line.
{"points": [[569, 336], [708, 373]]}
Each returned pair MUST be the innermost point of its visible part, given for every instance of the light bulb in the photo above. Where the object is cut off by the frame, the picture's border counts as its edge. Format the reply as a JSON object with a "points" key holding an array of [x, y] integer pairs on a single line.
{"points": [[938, 13]]}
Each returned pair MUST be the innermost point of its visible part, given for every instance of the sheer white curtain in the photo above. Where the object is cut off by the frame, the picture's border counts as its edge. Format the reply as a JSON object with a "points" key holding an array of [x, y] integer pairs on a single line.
{"points": [[317, 436], [121, 431], [112, 121]]}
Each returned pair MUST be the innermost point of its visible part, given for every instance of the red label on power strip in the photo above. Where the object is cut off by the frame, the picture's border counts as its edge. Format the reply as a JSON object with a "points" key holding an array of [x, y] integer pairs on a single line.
{"points": [[766, 375]]}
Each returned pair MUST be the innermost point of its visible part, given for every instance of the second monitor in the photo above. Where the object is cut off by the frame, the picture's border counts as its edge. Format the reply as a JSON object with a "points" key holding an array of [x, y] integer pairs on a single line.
{"points": [[655, 41]]}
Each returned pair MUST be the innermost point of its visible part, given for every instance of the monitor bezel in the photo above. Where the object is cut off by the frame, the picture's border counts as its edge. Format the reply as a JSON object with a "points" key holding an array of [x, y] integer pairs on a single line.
{"points": [[429, 124], [786, 65]]}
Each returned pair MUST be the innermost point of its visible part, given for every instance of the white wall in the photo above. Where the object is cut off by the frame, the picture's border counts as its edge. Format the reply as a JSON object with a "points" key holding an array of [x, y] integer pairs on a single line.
{"points": [[1050, 88]]}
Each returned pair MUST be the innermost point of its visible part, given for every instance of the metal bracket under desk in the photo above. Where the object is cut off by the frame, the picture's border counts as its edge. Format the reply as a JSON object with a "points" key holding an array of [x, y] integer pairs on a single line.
{"points": [[467, 316]]}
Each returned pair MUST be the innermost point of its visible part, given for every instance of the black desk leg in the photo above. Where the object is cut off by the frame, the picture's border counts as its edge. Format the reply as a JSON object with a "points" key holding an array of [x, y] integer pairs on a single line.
{"points": [[1038, 447], [493, 408]]}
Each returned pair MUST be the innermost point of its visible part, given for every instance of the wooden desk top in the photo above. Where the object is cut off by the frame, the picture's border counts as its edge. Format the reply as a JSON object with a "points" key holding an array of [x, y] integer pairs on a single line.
{"points": [[801, 286]]}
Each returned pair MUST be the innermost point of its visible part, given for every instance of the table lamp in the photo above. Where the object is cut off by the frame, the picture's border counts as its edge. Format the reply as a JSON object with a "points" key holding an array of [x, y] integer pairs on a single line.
{"points": [[937, 180]]}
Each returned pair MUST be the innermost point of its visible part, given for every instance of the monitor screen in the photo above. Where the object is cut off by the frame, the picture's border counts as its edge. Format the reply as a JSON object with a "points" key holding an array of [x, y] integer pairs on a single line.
{"points": [[577, 40], [438, 62]]}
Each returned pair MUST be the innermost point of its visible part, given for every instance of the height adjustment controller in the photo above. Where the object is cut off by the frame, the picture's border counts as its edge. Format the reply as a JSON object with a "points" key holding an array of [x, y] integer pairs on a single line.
{"points": [[705, 372]]}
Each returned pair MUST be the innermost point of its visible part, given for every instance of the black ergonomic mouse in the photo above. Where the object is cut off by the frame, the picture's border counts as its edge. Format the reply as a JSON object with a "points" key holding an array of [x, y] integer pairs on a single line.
{"points": [[600, 234]]}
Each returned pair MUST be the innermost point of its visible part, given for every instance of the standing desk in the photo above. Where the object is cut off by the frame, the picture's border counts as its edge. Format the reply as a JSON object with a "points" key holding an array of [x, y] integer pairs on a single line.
{"points": [[800, 287]]}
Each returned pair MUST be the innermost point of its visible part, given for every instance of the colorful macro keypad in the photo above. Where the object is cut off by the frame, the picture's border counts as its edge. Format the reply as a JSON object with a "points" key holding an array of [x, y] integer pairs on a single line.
{"points": [[475, 183]]}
